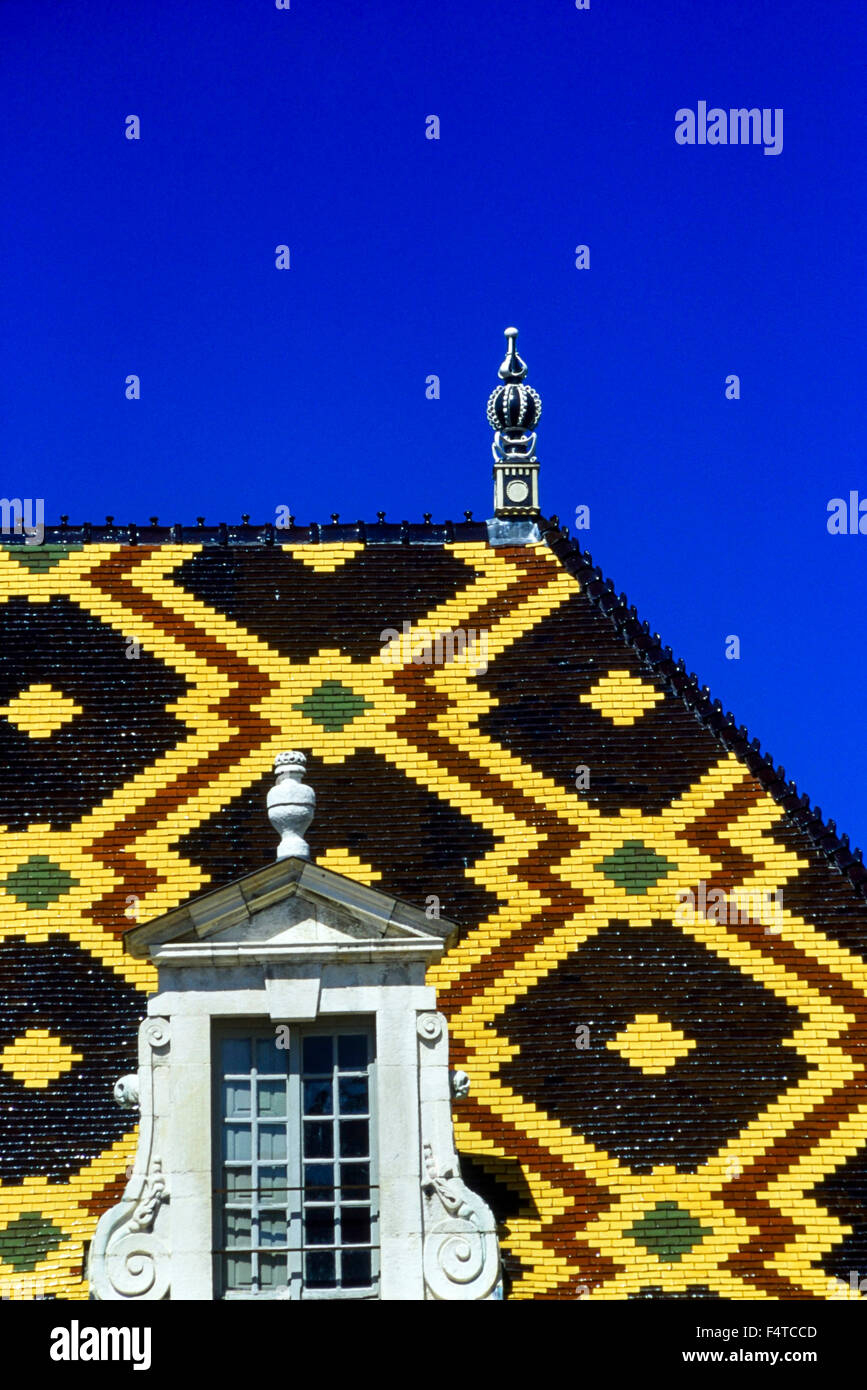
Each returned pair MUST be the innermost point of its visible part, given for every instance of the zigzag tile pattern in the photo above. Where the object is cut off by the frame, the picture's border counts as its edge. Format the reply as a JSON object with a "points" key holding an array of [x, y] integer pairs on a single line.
{"points": [[668, 1091]]}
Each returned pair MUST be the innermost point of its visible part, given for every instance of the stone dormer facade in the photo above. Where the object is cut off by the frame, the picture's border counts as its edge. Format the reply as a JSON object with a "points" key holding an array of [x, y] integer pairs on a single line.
{"points": [[298, 959]]}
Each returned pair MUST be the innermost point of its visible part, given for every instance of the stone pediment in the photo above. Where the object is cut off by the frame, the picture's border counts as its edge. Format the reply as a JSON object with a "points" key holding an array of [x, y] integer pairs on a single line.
{"points": [[289, 906], [302, 918]]}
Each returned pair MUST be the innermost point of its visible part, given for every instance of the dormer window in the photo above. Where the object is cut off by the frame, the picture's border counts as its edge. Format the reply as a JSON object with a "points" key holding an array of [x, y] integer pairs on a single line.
{"points": [[296, 1137]]}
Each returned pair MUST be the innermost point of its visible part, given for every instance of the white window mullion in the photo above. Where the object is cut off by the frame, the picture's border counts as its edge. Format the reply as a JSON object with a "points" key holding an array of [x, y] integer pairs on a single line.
{"points": [[295, 1195], [254, 1155], [337, 1191]]}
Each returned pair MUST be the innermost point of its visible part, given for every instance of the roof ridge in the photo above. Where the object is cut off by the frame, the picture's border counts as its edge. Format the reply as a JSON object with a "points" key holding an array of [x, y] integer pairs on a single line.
{"points": [[833, 845], [335, 532]]}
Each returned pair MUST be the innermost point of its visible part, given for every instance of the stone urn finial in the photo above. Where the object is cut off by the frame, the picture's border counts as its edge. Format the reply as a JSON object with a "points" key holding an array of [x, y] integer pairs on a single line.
{"points": [[291, 805]]}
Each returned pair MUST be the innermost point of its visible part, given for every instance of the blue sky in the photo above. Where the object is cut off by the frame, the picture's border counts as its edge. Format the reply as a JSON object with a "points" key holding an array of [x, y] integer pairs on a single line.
{"points": [[306, 387]]}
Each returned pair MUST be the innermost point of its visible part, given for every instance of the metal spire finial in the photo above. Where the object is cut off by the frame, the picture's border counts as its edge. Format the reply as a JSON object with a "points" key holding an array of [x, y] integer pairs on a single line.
{"points": [[513, 367], [513, 408], [513, 413]]}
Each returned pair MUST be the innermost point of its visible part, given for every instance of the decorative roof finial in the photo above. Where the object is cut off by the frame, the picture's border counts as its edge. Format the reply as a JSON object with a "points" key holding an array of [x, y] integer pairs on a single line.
{"points": [[513, 411], [291, 804], [513, 367]]}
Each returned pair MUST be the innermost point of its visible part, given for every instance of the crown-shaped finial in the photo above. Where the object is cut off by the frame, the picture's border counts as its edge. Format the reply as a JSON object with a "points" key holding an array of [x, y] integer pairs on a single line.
{"points": [[513, 408], [291, 805]]}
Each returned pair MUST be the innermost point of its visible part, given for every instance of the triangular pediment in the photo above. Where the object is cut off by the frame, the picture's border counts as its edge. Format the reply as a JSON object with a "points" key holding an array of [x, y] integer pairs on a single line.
{"points": [[290, 903], [302, 918]]}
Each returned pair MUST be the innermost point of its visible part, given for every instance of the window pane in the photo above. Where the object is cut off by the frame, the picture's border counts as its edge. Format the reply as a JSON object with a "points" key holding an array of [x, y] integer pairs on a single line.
{"points": [[271, 1098], [355, 1225], [317, 1054], [319, 1182], [356, 1269], [272, 1229], [317, 1097], [352, 1095], [269, 1057], [273, 1185], [319, 1269], [272, 1271], [237, 1141], [272, 1141], [239, 1184], [238, 1229], [239, 1271], [319, 1226], [236, 1098], [352, 1052], [354, 1180], [318, 1139], [235, 1055], [353, 1138]]}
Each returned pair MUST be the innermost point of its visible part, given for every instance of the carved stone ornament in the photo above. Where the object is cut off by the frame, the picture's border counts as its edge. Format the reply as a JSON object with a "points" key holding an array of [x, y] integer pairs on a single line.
{"points": [[126, 1091], [461, 1254], [430, 1027], [460, 1251], [156, 1032], [127, 1257], [291, 804], [153, 1192], [460, 1085]]}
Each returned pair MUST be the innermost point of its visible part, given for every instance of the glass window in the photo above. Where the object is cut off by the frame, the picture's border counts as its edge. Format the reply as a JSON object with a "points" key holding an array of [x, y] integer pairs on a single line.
{"points": [[296, 1204]]}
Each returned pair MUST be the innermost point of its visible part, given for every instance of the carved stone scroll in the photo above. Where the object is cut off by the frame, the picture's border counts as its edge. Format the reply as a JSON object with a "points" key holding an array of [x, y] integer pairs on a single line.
{"points": [[128, 1260], [461, 1255]]}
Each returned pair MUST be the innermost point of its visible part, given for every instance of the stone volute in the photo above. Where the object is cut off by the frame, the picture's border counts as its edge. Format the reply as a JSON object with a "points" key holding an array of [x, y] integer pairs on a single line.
{"points": [[291, 804]]}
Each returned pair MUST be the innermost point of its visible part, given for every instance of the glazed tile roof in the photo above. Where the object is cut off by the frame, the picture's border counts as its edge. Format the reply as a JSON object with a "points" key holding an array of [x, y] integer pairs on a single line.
{"points": [[659, 1106]]}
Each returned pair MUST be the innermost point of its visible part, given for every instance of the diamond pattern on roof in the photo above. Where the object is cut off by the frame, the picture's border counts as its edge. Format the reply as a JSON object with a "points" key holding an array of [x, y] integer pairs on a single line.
{"points": [[332, 705], [40, 710], [38, 882], [37, 1058], [622, 698], [668, 1231], [651, 1044], [634, 867]]}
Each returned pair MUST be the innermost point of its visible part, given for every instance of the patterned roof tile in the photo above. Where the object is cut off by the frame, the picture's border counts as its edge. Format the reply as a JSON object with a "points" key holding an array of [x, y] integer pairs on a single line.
{"points": [[663, 1103]]}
